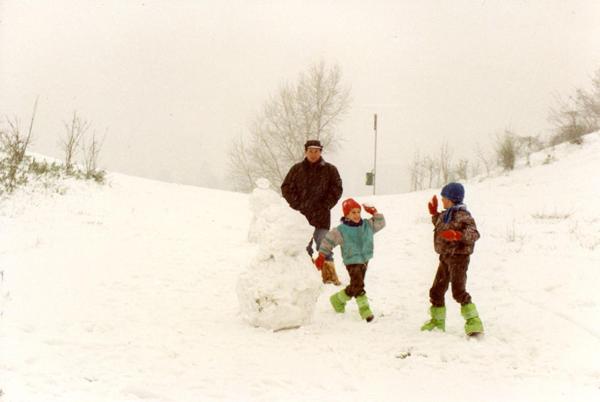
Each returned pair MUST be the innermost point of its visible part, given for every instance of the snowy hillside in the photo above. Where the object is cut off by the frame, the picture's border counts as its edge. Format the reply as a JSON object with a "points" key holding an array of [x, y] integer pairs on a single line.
{"points": [[127, 292]]}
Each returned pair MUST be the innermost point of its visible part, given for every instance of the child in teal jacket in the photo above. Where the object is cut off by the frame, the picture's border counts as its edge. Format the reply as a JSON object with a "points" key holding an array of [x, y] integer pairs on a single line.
{"points": [[355, 237]]}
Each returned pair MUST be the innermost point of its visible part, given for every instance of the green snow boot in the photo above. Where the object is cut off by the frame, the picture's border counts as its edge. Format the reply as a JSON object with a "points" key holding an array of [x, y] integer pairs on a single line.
{"points": [[338, 301], [473, 326], [363, 307], [438, 319]]}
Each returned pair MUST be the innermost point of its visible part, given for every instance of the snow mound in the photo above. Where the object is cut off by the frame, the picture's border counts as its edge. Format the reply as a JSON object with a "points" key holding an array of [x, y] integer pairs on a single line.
{"points": [[280, 287]]}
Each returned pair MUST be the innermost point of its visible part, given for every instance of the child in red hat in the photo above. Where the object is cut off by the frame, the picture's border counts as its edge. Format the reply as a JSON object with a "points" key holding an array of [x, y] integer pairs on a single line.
{"points": [[355, 237]]}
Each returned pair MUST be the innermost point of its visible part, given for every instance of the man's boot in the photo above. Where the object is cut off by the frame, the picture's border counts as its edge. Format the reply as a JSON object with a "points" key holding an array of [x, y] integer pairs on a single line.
{"points": [[325, 273], [363, 307], [438, 319], [473, 325], [328, 273], [338, 301]]}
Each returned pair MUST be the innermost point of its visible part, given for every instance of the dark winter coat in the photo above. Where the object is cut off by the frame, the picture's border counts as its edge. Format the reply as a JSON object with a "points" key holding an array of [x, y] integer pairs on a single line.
{"points": [[313, 189], [461, 221]]}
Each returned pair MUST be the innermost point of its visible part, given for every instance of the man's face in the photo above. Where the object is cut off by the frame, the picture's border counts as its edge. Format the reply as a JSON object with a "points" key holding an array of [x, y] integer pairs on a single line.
{"points": [[312, 154]]}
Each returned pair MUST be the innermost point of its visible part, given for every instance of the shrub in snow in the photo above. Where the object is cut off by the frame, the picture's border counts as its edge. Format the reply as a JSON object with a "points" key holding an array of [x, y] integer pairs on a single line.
{"points": [[280, 288], [17, 167], [507, 148], [552, 215]]}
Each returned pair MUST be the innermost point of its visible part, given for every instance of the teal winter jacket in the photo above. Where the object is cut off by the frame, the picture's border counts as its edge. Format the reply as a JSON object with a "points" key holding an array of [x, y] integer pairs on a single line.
{"points": [[355, 240]]}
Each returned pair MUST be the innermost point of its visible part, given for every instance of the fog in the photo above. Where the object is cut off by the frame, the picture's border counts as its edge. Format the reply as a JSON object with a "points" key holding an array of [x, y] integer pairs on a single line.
{"points": [[172, 83]]}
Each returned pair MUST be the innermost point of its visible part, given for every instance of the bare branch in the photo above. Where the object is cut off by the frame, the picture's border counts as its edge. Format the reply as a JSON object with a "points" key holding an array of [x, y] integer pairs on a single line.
{"points": [[75, 130], [311, 109], [14, 146]]}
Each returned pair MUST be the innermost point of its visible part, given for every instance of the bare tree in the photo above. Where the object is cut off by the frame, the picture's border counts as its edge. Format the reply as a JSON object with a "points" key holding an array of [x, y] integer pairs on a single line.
{"points": [[240, 170], [461, 169], [91, 153], [475, 168], [529, 145], [566, 120], [432, 170], [588, 105], [14, 147], [507, 149], [74, 132], [416, 173], [445, 162], [483, 158], [578, 115], [311, 109]]}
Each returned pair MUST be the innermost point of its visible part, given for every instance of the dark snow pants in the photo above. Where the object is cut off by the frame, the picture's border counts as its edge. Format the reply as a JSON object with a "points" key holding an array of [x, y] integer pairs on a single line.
{"points": [[357, 274], [451, 270]]}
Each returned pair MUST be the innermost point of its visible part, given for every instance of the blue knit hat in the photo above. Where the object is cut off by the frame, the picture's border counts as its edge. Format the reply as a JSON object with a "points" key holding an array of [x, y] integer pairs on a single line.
{"points": [[455, 192]]}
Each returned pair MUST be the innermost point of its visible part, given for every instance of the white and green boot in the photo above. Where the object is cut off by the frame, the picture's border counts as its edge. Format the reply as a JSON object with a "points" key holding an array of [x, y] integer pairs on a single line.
{"points": [[338, 301], [473, 324], [437, 321], [363, 307]]}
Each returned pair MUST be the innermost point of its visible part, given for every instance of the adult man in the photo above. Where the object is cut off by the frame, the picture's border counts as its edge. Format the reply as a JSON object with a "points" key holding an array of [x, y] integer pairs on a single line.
{"points": [[313, 187]]}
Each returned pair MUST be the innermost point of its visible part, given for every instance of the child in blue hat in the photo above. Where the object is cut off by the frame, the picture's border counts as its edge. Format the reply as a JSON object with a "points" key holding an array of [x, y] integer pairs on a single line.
{"points": [[455, 234]]}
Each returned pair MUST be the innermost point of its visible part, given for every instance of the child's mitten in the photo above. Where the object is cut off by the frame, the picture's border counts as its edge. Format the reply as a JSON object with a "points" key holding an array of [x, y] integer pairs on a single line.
{"points": [[319, 261], [451, 235], [370, 209], [433, 205]]}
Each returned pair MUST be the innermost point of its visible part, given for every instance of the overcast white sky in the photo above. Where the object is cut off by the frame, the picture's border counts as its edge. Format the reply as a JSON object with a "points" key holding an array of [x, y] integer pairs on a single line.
{"points": [[172, 82]]}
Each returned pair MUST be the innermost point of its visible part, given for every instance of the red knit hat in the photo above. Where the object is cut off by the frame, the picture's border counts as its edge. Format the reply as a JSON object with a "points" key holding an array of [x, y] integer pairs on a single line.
{"points": [[348, 205]]}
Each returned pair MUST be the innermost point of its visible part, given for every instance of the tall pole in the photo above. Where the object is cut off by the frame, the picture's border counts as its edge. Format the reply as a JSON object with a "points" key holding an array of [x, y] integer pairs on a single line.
{"points": [[375, 154]]}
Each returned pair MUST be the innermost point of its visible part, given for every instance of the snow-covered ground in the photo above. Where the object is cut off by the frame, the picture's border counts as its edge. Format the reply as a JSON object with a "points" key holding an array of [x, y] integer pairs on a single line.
{"points": [[127, 292]]}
